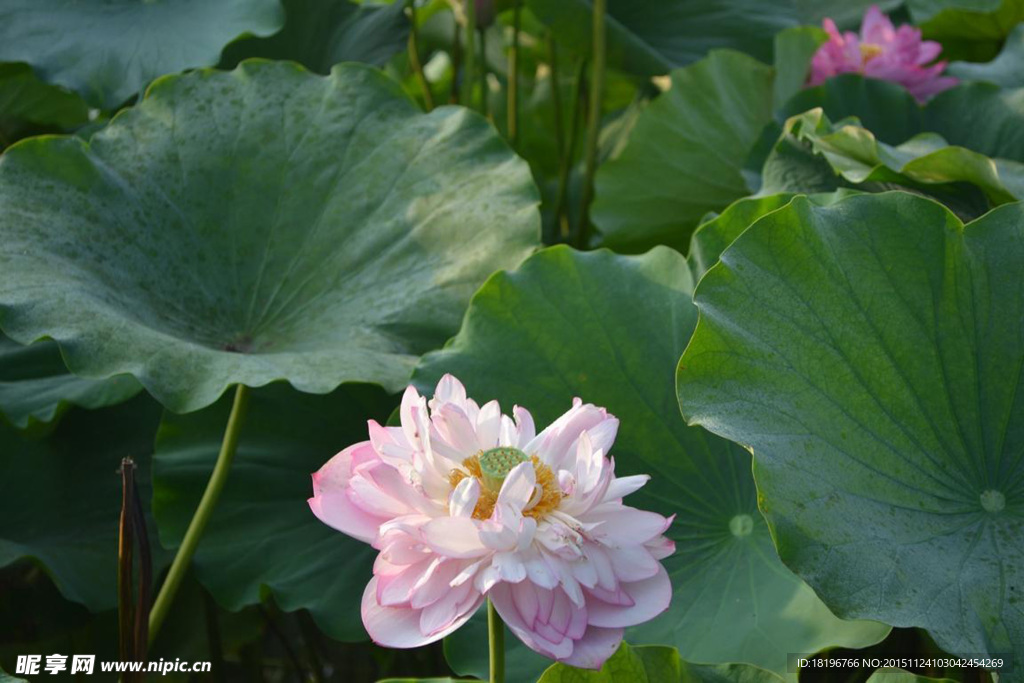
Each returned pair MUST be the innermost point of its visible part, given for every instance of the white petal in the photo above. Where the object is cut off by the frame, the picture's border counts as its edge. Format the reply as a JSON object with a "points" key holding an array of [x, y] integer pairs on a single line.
{"points": [[488, 425], [464, 497], [524, 426], [517, 490], [620, 487], [457, 537]]}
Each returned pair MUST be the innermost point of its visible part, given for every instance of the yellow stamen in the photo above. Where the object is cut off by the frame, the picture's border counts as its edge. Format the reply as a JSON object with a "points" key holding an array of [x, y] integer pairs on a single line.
{"points": [[869, 51], [550, 498]]}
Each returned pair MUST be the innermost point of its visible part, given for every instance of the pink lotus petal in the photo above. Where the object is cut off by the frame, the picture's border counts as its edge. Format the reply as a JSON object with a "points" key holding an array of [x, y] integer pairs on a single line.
{"points": [[620, 525], [331, 502], [595, 647], [650, 598], [452, 605], [399, 626]]}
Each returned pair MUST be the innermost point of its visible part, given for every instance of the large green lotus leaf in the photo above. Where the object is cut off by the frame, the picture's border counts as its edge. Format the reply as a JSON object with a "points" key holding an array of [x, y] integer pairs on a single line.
{"points": [[924, 162], [968, 29], [794, 49], [321, 33], [657, 664], [714, 235], [566, 324], [885, 108], [926, 10], [979, 116], [60, 498], [870, 353], [256, 225], [1006, 70], [685, 154], [262, 535], [649, 37], [109, 50], [25, 101], [36, 385]]}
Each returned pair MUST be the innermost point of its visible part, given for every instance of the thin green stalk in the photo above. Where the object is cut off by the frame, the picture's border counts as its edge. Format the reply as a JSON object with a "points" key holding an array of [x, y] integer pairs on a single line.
{"points": [[414, 58], [556, 99], [469, 68], [125, 604], [496, 643], [513, 80], [562, 200], [202, 515], [485, 105], [596, 99], [453, 95], [145, 565]]}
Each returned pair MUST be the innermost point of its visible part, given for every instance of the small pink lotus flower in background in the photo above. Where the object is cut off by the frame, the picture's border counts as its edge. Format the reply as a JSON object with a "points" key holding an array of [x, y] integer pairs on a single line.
{"points": [[465, 503], [884, 52]]}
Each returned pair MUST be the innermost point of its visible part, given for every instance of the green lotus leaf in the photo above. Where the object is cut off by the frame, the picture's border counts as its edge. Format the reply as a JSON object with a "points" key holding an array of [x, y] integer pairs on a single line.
{"points": [[7, 678], [36, 386], [321, 33], [61, 497], [262, 536], [686, 153], [926, 10], [657, 664], [1005, 70], [566, 324], [716, 233], [109, 50], [902, 676], [968, 29], [258, 225], [794, 49], [885, 108], [926, 160], [27, 102], [979, 116], [870, 353], [649, 37]]}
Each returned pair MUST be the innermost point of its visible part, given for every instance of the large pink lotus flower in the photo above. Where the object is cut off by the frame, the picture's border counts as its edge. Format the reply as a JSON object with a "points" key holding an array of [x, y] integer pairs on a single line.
{"points": [[884, 52], [464, 503]]}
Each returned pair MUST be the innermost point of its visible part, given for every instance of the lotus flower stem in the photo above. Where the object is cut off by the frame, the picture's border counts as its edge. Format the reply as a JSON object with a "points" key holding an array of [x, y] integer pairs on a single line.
{"points": [[202, 515], [453, 95], [484, 103], [414, 58], [469, 68], [596, 99], [496, 643], [562, 200], [556, 99], [125, 608], [513, 80]]}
